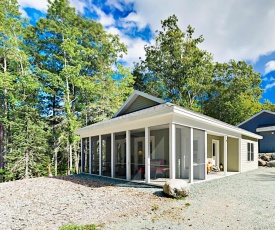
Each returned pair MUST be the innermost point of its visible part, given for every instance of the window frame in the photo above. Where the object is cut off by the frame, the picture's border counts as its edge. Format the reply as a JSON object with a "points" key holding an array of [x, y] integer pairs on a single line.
{"points": [[250, 151]]}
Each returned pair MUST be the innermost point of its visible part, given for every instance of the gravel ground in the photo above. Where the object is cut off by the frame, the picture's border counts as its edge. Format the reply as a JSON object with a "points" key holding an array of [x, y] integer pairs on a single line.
{"points": [[242, 201]]}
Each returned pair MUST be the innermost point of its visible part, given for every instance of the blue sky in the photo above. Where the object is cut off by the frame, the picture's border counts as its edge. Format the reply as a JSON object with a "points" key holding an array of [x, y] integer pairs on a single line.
{"points": [[240, 30]]}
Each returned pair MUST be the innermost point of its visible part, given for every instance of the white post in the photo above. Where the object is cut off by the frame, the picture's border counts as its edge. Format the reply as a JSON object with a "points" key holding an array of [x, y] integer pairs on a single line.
{"points": [[172, 151], [90, 155], [147, 155], [191, 167], [205, 154], [225, 154], [82, 165], [112, 154], [240, 155], [100, 155], [128, 155]]}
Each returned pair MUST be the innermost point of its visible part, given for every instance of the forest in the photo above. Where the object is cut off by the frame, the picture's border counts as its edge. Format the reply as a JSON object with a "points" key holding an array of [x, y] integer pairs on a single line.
{"points": [[65, 72]]}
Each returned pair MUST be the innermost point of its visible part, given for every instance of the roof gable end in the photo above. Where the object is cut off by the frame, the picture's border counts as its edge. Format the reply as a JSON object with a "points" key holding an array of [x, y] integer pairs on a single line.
{"points": [[256, 115], [138, 101]]}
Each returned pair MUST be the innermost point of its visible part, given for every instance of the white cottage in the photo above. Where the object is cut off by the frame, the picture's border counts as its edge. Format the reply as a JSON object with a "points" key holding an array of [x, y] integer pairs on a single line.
{"points": [[149, 140]]}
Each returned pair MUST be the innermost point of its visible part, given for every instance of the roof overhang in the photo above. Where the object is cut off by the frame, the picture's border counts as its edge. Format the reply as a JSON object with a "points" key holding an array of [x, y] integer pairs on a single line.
{"points": [[159, 115], [266, 129]]}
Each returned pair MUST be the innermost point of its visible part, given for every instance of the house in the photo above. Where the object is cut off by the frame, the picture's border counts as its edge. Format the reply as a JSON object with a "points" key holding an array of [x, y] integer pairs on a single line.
{"points": [[262, 123], [149, 139]]}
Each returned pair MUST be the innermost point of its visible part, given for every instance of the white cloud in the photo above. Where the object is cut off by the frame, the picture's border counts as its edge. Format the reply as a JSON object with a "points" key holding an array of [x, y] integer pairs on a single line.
{"points": [[78, 5], [133, 20], [239, 30], [135, 47], [270, 86], [104, 19], [115, 3], [42, 5], [269, 67]]}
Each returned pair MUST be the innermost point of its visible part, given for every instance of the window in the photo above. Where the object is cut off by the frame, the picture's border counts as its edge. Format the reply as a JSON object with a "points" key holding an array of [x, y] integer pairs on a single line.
{"points": [[250, 151]]}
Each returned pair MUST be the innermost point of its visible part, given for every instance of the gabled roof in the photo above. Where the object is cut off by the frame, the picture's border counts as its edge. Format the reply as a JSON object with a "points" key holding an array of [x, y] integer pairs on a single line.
{"points": [[138, 101], [256, 115]]}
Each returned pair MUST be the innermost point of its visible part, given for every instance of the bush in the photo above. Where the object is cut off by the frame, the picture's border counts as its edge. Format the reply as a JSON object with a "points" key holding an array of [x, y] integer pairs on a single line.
{"points": [[78, 227]]}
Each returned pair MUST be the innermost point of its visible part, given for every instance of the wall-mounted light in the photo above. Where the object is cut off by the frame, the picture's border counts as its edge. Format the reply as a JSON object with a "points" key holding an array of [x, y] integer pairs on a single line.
{"points": [[140, 152], [272, 133]]}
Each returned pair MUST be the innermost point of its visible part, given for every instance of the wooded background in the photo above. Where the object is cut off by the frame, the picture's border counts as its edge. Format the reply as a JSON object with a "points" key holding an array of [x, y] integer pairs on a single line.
{"points": [[65, 72]]}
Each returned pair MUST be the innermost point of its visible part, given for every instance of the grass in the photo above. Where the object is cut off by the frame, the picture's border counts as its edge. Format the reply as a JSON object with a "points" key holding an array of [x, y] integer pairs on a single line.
{"points": [[79, 227]]}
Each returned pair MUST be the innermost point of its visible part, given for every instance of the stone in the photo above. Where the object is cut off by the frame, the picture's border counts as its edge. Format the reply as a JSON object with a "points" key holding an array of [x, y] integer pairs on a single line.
{"points": [[266, 157], [271, 164], [176, 188], [261, 162], [273, 156]]}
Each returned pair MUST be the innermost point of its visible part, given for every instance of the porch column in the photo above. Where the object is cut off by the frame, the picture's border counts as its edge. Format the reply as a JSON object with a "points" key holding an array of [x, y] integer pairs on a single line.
{"points": [[100, 155], [191, 167], [90, 155], [81, 147], [205, 155], [240, 155], [112, 154], [128, 155], [172, 150], [225, 154], [147, 155]]}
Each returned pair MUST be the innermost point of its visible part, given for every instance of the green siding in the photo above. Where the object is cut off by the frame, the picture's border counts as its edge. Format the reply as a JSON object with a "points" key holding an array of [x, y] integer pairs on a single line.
{"points": [[139, 104]]}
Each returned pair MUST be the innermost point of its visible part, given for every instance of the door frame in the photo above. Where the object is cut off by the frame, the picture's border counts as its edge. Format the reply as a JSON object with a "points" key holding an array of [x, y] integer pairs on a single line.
{"points": [[152, 150], [217, 157]]}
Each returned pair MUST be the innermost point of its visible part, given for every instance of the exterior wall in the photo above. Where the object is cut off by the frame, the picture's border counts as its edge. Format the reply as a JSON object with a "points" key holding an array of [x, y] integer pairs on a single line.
{"points": [[245, 164], [267, 144], [232, 154], [140, 103]]}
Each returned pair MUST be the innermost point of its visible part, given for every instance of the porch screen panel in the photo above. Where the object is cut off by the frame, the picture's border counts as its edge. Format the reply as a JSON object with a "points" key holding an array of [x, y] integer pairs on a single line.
{"points": [[199, 154], [120, 155], [106, 155], [183, 147], [137, 155], [95, 155], [85, 155]]}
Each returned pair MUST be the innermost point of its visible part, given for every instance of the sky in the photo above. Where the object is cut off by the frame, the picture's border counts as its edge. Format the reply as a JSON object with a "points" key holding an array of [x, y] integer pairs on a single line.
{"points": [[232, 29]]}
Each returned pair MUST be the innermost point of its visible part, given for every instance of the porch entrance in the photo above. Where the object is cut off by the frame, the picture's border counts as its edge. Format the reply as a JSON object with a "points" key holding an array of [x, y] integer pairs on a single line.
{"points": [[215, 152]]}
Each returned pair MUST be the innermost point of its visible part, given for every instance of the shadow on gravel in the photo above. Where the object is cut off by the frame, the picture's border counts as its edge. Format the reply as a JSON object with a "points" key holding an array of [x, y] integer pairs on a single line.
{"points": [[265, 176], [95, 181]]}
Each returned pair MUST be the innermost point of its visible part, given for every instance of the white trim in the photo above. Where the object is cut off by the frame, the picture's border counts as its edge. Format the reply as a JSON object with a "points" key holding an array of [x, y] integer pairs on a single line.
{"points": [[240, 155], [191, 166], [225, 155], [128, 155], [100, 155], [266, 129], [205, 155], [90, 155], [217, 158], [112, 155], [147, 155], [81, 146], [132, 98], [172, 150], [214, 122], [257, 114]]}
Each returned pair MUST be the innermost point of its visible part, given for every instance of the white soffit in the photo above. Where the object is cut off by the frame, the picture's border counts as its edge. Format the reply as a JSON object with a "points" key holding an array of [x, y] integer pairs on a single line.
{"points": [[266, 129]]}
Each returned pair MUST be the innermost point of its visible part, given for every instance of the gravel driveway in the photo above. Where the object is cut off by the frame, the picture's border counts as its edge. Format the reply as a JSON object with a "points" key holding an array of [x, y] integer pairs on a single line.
{"points": [[242, 201]]}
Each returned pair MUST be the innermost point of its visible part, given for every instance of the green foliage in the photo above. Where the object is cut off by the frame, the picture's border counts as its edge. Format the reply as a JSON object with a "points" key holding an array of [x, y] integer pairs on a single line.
{"points": [[175, 68], [235, 92], [77, 227], [55, 76]]}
